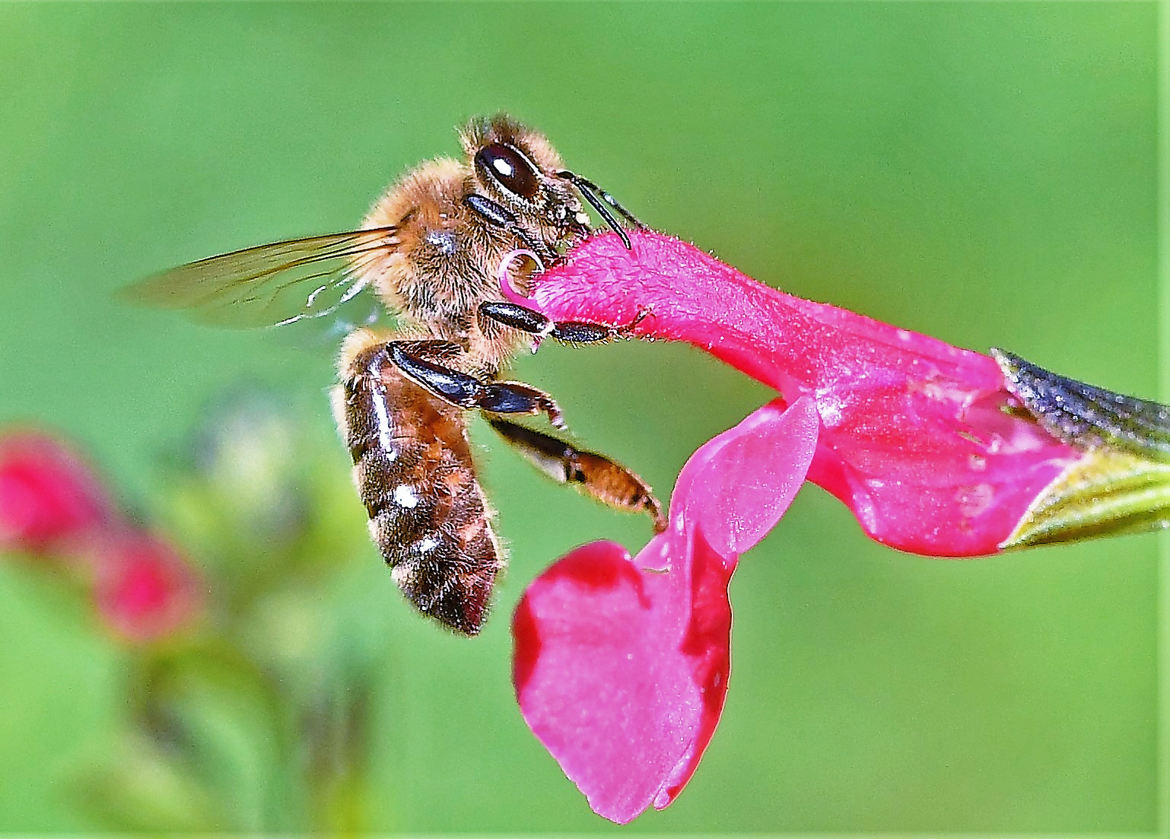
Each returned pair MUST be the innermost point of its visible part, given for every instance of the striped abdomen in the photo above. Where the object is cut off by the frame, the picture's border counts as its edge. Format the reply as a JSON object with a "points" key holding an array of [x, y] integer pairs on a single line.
{"points": [[413, 470]]}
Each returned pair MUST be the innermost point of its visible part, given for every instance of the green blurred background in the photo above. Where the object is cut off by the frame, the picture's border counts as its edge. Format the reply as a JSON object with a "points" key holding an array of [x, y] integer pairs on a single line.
{"points": [[983, 172]]}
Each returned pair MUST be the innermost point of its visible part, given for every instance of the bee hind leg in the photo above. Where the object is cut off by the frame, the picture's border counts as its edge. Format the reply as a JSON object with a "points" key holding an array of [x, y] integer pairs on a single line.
{"points": [[596, 475], [422, 362]]}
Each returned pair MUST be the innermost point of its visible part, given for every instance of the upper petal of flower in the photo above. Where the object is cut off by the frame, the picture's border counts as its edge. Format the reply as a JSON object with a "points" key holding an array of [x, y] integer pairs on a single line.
{"points": [[915, 437], [47, 494], [144, 589]]}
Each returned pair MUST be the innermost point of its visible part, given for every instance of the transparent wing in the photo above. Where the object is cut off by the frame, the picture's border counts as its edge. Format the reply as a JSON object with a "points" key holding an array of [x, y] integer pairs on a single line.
{"points": [[272, 284]]}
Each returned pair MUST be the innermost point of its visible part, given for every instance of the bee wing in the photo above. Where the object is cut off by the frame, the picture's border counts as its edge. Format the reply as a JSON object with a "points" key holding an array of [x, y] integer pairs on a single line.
{"points": [[272, 284]]}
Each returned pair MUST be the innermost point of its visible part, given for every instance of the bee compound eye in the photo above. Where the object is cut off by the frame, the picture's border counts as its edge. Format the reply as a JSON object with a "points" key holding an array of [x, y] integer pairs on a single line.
{"points": [[510, 169]]}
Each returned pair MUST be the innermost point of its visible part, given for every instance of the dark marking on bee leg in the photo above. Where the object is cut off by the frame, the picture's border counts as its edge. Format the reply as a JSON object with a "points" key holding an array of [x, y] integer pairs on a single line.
{"points": [[597, 476], [503, 218], [570, 331], [416, 360]]}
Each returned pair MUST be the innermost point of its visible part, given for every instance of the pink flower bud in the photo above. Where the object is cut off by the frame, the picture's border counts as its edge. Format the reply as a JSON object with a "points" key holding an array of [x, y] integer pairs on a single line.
{"points": [[144, 590], [48, 496]]}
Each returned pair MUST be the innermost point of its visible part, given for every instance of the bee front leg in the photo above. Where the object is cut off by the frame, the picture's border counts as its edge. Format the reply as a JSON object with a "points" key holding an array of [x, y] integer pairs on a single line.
{"points": [[506, 220], [598, 477], [571, 332], [422, 362]]}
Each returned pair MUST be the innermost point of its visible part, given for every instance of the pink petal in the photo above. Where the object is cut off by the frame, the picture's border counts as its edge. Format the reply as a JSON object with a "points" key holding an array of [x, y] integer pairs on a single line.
{"points": [[914, 439], [621, 664], [145, 590], [47, 494]]}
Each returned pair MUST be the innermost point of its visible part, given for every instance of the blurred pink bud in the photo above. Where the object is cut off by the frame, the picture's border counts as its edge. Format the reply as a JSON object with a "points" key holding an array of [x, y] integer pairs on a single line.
{"points": [[144, 589], [621, 664], [48, 496]]}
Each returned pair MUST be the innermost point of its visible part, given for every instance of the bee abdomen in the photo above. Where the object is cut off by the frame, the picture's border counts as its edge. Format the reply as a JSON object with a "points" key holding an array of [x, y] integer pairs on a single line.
{"points": [[414, 473]]}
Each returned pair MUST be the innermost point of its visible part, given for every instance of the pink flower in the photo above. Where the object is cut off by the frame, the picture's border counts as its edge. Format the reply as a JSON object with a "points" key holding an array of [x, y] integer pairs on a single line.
{"points": [[621, 665], [48, 496], [913, 433], [144, 589]]}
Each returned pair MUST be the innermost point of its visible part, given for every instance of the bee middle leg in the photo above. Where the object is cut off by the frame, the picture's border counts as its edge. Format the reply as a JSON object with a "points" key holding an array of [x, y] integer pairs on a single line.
{"points": [[571, 332], [422, 362], [599, 477]]}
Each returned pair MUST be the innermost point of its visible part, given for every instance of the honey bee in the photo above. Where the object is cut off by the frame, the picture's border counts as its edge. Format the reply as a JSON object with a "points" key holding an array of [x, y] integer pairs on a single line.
{"points": [[430, 249]]}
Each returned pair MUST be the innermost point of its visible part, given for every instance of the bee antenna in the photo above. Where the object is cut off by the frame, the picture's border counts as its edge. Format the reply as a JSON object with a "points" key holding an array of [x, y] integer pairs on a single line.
{"points": [[586, 187]]}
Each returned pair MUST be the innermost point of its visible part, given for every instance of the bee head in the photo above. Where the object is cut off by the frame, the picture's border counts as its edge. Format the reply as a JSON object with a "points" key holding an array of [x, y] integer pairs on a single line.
{"points": [[518, 168]]}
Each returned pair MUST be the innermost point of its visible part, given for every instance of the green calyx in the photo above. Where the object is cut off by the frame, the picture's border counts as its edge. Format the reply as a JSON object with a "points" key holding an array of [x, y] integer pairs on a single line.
{"points": [[1120, 485]]}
